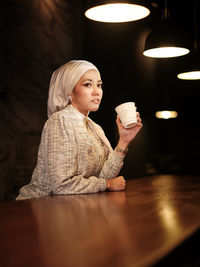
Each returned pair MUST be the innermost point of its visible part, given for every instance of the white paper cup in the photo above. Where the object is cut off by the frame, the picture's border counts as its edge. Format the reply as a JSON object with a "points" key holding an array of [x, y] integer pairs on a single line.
{"points": [[127, 114]]}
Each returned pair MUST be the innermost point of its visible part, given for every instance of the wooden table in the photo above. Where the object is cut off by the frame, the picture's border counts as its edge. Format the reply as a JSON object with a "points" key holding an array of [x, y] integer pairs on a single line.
{"points": [[131, 228]]}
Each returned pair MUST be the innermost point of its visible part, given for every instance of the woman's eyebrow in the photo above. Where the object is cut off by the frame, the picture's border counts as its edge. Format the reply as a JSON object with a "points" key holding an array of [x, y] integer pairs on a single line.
{"points": [[87, 80], [99, 81]]}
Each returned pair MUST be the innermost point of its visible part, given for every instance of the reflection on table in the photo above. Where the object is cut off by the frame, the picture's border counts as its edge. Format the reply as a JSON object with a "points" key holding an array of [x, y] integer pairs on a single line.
{"points": [[135, 227]]}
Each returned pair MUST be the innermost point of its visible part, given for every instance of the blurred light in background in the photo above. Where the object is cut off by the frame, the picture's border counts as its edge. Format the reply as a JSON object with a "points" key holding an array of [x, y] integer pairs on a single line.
{"points": [[166, 114]]}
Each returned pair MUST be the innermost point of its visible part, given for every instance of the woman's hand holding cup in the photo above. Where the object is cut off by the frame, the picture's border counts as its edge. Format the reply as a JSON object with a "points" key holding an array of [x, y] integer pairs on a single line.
{"points": [[128, 123]]}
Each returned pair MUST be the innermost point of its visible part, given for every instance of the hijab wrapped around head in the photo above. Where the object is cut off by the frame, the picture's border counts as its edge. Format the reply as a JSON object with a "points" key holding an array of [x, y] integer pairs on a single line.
{"points": [[63, 81]]}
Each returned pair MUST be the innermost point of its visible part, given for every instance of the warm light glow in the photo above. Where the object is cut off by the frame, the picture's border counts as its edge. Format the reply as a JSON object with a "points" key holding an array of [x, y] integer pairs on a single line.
{"points": [[165, 52], [167, 210], [117, 12], [191, 75], [166, 114]]}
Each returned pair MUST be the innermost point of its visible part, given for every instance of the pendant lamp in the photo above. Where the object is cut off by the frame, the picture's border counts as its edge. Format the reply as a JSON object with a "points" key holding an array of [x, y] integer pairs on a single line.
{"points": [[192, 74], [192, 71], [166, 111], [114, 11], [166, 114], [166, 107], [166, 40]]}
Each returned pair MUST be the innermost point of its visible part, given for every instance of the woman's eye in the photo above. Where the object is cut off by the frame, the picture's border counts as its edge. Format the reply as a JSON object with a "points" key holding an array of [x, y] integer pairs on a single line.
{"points": [[100, 85], [87, 84]]}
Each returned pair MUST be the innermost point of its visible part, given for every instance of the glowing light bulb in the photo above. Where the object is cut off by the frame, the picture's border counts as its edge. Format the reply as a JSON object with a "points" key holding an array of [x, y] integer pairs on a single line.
{"points": [[191, 75], [117, 12], [166, 114], [166, 52]]}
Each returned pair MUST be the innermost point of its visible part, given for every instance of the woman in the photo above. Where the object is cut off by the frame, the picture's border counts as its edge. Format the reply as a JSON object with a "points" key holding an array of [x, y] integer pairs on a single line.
{"points": [[74, 155]]}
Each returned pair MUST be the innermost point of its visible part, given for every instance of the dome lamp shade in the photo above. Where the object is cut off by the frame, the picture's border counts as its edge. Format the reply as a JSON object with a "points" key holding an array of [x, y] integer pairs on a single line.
{"points": [[166, 40]]}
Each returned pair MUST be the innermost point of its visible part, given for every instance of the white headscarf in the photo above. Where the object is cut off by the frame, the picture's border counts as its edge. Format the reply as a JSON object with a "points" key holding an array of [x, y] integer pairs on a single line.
{"points": [[63, 81]]}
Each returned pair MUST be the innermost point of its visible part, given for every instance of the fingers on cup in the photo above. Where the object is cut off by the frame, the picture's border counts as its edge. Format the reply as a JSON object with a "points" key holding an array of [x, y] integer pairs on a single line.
{"points": [[138, 114], [138, 117], [118, 120]]}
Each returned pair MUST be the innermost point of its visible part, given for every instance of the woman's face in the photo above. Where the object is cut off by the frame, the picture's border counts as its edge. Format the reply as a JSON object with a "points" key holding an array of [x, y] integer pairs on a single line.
{"points": [[87, 94]]}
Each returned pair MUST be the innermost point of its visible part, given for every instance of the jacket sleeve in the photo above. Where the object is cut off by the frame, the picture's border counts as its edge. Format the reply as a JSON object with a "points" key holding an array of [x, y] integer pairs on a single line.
{"points": [[58, 150], [113, 164]]}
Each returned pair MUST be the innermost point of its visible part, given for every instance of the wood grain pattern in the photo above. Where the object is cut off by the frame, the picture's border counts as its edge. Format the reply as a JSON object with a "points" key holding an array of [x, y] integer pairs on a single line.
{"points": [[135, 227]]}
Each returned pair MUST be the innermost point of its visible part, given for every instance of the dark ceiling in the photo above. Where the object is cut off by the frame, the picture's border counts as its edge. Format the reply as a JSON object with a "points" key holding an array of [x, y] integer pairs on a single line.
{"points": [[128, 75]]}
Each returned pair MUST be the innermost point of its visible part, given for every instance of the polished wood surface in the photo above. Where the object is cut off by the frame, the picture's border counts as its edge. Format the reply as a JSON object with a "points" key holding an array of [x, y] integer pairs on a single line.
{"points": [[131, 228]]}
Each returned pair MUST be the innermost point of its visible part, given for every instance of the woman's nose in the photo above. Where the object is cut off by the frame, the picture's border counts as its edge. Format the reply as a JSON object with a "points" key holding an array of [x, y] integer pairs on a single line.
{"points": [[96, 90]]}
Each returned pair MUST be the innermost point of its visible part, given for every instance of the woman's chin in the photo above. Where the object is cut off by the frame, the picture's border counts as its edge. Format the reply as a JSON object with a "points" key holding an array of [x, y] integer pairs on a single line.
{"points": [[94, 107]]}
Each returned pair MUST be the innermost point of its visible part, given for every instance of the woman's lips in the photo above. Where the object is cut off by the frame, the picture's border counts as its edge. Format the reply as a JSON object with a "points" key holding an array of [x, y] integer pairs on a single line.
{"points": [[96, 101]]}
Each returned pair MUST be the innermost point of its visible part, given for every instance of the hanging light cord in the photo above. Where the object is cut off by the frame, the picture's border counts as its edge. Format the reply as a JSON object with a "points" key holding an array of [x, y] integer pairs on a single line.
{"points": [[195, 25], [166, 10]]}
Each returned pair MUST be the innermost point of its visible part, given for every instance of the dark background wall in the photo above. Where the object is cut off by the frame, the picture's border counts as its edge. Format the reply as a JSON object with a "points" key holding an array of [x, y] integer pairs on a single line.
{"points": [[38, 36], [163, 146]]}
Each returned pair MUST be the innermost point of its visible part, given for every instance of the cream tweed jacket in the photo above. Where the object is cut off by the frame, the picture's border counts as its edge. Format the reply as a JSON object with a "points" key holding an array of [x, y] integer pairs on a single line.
{"points": [[72, 159]]}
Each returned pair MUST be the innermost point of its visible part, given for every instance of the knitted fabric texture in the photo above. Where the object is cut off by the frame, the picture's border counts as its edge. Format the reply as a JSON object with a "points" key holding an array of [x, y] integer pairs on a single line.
{"points": [[71, 159]]}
